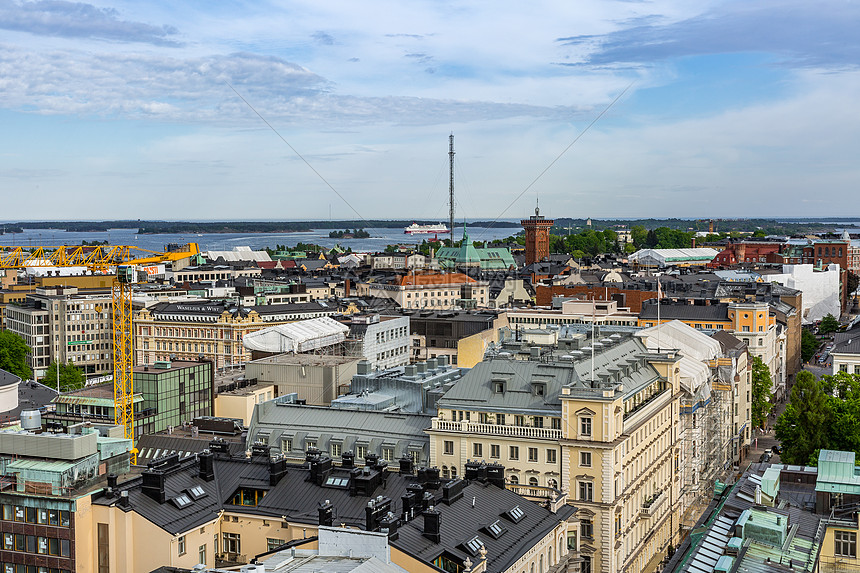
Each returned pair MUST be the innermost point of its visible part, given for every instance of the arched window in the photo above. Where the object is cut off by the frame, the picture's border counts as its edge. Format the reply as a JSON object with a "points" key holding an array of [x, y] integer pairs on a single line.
{"points": [[514, 479], [533, 481], [541, 564], [444, 472], [552, 483]]}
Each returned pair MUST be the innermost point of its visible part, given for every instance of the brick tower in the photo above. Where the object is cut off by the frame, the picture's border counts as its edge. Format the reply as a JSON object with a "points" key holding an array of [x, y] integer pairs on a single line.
{"points": [[537, 237]]}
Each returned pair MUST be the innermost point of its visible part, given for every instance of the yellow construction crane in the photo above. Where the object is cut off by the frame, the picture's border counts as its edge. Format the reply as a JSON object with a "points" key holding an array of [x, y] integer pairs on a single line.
{"points": [[123, 261]]}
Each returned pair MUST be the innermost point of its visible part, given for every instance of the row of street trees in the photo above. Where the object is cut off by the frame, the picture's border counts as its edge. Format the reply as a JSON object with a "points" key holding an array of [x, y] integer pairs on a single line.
{"points": [[13, 359]]}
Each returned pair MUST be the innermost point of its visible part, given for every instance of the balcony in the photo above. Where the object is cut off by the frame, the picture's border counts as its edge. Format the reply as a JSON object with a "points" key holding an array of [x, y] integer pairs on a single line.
{"points": [[652, 504], [539, 493], [467, 427]]}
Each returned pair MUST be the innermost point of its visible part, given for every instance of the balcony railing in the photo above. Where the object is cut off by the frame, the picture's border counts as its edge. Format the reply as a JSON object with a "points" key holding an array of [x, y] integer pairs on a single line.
{"points": [[555, 497], [652, 504], [495, 429]]}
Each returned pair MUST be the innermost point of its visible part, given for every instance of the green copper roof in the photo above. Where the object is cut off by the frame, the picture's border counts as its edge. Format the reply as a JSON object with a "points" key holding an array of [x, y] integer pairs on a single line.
{"points": [[837, 472]]}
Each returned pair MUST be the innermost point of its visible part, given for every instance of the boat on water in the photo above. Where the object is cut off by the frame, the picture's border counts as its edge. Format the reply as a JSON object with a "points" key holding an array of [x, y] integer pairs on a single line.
{"points": [[416, 229]]}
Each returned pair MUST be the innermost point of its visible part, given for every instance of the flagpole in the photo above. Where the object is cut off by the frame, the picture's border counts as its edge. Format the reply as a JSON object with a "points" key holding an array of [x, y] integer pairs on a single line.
{"points": [[658, 314]]}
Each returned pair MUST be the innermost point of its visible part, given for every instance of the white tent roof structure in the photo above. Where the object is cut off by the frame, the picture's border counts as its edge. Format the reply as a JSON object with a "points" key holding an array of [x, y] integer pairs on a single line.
{"points": [[300, 336], [696, 349], [238, 254]]}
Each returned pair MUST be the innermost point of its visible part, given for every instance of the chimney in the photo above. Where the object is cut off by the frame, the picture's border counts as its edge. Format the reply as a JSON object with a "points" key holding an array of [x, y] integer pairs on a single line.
{"points": [[153, 485], [346, 287], [375, 511], [347, 460], [326, 514], [496, 475], [408, 502], [277, 469], [432, 525], [123, 499], [206, 459], [406, 465], [111, 480], [452, 491], [390, 523]]}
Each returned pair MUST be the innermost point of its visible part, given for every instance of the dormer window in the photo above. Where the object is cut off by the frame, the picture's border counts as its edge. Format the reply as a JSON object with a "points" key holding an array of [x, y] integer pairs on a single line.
{"points": [[499, 386], [539, 388], [585, 425]]}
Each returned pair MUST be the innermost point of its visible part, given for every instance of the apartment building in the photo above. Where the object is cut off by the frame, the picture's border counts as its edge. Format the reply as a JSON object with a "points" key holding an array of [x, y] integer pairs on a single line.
{"points": [[65, 325], [573, 311], [603, 436], [432, 291], [220, 510], [214, 329], [753, 322], [45, 522]]}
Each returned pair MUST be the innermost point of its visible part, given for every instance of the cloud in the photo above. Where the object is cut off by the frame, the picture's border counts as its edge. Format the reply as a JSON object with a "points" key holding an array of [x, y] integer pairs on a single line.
{"points": [[323, 38], [79, 20], [138, 86], [802, 34]]}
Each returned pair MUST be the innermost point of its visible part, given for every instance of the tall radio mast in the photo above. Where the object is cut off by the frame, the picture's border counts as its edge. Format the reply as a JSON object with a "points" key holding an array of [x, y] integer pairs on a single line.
{"points": [[451, 186]]}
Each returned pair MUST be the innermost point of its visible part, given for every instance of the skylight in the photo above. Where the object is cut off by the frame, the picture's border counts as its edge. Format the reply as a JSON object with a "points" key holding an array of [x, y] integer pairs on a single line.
{"points": [[516, 514], [335, 481], [197, 492], [474, 545], [495, 529], [181, 501]]}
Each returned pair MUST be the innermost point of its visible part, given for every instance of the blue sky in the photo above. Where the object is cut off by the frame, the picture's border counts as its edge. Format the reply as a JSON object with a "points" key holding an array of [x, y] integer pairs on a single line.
{"points": [[112, 109]]}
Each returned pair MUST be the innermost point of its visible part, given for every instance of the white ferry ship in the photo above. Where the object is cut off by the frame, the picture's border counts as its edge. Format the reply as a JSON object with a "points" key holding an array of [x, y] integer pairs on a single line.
{"points": [[416, 229]]}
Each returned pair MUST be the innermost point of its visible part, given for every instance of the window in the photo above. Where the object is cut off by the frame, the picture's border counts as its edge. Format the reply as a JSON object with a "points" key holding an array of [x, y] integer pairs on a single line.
{"points": [[336, 449], [477, 450], [360, 452], [180, 544], [483, 418], [494, 451], [388, 454], [500, 419], [845, 543], [550, 456], [555, 423], [514, 453], [586, 491], [273, 543], [232, 543], [585, 459], [537, 421], [519, 420], [533, 481], [533, 454], [586, 527], [286, 445], [585, 426], [201, 554], [448, 447]]}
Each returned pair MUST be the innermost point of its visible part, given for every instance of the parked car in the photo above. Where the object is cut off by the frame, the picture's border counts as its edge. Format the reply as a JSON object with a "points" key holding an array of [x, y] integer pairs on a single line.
{"points": [[765, 457]]}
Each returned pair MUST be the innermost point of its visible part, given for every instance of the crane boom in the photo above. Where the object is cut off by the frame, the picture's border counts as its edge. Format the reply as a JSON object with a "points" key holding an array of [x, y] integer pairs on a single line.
{"points": [[105, 259]]}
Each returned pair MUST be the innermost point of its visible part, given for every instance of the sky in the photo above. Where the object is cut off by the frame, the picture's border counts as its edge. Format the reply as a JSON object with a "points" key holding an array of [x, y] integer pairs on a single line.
{"points": [[322, 109]]}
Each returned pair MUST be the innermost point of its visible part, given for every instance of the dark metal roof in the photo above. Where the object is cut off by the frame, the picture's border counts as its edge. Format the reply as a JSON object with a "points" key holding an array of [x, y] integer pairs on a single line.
{"points": [[296, 498]]}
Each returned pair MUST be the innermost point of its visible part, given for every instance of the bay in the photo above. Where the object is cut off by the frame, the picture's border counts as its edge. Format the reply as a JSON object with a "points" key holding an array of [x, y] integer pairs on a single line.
{"points": [[379, 239]]}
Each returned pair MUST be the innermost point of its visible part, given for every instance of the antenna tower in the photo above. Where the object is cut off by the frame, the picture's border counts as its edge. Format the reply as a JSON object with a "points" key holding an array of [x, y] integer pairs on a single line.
{"points": [[451, 187]]}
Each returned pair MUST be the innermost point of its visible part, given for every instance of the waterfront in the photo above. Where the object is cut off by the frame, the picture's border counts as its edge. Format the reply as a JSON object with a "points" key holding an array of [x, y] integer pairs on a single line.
{"points": [[378, 240]]}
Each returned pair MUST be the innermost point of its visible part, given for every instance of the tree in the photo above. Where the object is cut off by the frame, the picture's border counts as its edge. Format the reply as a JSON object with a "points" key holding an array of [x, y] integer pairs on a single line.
{"points": [[639, 235], [761, 384], [71, 378], [13, 355], [802, 427], [808, 345], [828, 324]]}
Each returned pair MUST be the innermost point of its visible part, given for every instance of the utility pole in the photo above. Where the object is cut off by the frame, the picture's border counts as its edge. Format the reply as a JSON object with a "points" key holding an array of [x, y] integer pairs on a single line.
{"points": [[451, 187]]}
